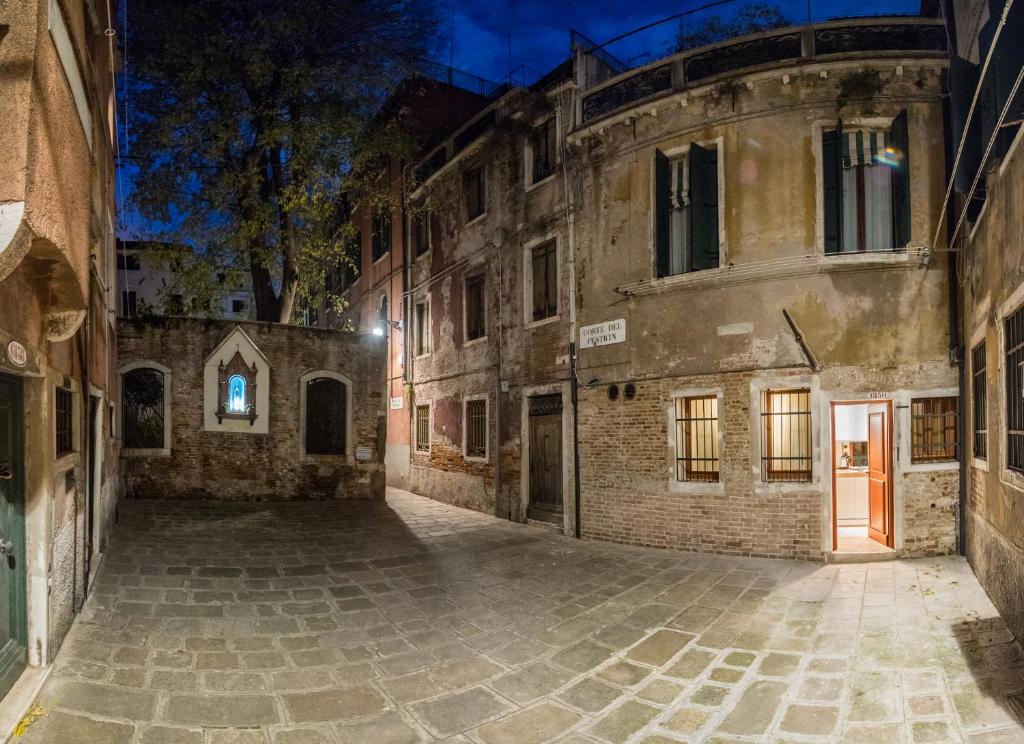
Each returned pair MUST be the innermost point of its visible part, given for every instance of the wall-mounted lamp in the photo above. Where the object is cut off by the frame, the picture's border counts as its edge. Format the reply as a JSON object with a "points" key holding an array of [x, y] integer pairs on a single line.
{"points": [[378, 330]]}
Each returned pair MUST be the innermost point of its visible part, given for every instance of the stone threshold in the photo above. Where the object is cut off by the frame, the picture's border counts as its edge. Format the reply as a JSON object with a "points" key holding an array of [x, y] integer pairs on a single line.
{"points": [[849, 556], [18, 701]]}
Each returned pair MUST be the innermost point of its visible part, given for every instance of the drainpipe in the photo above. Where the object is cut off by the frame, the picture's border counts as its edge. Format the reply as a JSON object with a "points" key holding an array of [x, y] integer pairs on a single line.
{"points": [[497, 401], [575, 386], [956, 345]]}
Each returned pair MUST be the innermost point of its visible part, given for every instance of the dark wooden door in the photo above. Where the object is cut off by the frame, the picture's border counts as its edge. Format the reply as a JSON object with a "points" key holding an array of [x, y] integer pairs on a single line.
{"points": [[545, 457], [12, 535], [880, 474]]}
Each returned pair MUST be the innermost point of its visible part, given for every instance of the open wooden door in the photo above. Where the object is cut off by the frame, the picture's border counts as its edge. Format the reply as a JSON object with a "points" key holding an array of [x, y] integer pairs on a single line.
{"points": [[880, 509]]}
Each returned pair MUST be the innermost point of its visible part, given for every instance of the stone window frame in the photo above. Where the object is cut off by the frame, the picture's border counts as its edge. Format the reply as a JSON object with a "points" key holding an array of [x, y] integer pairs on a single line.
{"points": [[802, 381], [164, 451], [487, 426], [417, 404], [997, 404], [707, 488], [482, 167], [428, 347], [675, 153], [902, 430], [528, 246], [818, 126], [348, 456], [528, 183], [473, 273]]}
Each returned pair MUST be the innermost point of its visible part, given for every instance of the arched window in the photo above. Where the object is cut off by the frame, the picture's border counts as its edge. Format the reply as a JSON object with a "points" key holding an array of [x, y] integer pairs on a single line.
{"points": [[326, 414], [144, 408], [236, 394]]}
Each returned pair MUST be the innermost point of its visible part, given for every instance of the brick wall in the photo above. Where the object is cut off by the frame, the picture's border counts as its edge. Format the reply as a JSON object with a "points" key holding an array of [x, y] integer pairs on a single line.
{"points": [[626, 466], [230, 465]]}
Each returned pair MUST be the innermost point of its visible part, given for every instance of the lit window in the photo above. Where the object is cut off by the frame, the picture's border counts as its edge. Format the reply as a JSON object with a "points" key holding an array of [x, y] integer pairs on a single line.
{"points": [[933, 429], [786, 436], [686, 211], [866, 185], [697, 438]]}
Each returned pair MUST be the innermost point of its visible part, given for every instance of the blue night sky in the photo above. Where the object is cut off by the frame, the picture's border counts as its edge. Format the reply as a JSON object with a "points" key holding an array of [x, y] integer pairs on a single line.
{"points": [[540, 28]]}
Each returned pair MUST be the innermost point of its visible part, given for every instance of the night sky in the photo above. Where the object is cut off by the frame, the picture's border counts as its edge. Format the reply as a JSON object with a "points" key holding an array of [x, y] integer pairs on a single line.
{"points": [[540, 28]]}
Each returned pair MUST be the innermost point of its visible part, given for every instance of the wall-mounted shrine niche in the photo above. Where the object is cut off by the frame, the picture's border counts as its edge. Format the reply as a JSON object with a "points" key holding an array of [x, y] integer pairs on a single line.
{"points": [[236, 386]]}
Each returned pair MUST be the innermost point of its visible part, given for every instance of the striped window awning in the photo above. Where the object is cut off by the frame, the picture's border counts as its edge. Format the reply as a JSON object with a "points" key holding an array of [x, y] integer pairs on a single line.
{"points": [[864, 147]]}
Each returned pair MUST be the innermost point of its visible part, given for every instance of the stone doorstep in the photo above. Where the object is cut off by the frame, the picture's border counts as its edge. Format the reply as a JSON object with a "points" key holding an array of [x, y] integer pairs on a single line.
{"points": [[848, 556], [20, 698]]}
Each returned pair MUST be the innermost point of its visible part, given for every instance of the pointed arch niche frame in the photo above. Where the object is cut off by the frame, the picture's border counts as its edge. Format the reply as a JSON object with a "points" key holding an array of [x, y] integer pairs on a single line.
{"points": [[236, 386]]}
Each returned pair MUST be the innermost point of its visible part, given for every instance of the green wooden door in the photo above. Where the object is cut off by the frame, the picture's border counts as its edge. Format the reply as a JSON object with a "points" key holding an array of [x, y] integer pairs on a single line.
{"points": [[12, 535]]}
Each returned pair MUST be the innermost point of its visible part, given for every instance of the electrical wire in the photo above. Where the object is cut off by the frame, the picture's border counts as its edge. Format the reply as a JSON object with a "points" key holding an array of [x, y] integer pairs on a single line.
{"points": [[967, 122]]}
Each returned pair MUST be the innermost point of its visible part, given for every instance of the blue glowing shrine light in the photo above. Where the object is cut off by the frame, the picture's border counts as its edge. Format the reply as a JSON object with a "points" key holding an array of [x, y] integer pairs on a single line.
{"points": [[236, 394]]}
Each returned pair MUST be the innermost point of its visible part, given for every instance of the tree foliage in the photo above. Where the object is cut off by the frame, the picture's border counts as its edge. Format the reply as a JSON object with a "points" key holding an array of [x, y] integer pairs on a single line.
{"points": [[246, 119], [747, 19]]}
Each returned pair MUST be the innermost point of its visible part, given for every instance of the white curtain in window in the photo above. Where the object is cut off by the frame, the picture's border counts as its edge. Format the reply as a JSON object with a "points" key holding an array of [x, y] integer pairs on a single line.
{"points": [[679, 228], [877, 207]]}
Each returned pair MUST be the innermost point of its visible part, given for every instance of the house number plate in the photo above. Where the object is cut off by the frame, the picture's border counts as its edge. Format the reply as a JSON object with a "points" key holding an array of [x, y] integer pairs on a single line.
{"points": [[16, 354]]}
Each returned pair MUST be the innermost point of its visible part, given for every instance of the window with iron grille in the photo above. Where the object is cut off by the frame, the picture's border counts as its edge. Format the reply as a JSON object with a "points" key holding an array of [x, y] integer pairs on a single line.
{"points": [[933, 429], [786, 436], [542, 150], [476, 313], [381, 239], [64, 427], [423, 428], [476, 428], [697, 438], [421, 317], [1014, 333], [474, 190], [979, 394], [143, 409], [545, 280], [326, 416]]}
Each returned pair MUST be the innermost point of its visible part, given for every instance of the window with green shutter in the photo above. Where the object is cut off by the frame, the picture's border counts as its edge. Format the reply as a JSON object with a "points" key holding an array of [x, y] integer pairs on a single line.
{"points": [[686, 211], [866, 187]]}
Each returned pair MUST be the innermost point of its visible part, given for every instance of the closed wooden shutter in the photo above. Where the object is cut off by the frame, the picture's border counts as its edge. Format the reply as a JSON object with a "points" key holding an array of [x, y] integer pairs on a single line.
{"points": [[832, 187], [900, 144], [703, 208], [662, 210]]}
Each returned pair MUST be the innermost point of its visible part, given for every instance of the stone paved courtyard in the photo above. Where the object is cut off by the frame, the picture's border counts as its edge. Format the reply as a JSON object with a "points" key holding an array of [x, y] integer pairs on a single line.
{"points": [[418, 622]]}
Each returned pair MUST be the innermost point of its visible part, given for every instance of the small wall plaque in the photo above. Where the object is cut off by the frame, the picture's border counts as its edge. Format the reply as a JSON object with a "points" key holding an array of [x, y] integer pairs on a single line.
{"points": [[364, 454], [16, 354], [396, 403]]}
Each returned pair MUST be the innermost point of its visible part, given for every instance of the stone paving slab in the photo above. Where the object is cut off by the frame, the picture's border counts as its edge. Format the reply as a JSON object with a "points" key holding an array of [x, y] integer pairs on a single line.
{"points": [[413, 622]]}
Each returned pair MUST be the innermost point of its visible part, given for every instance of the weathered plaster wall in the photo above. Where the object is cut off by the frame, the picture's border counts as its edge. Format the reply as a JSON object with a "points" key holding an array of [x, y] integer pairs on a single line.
{"points": [[877, 323], [231, 465], [517, 355], [992, 275], [67, 189]]}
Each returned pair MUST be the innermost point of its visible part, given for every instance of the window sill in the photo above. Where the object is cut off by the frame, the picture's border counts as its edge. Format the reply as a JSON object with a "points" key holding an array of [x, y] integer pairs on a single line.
{"points": [[776, 269], [419, 257], [476, 219], [542, 322], [421, 357], [531, 186], [474, 341], [979, 463], [345, 459], [468, 458], [931, 467], [706, 488], [382, 257], [146, 452], [762, 488], [68, 459]]}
